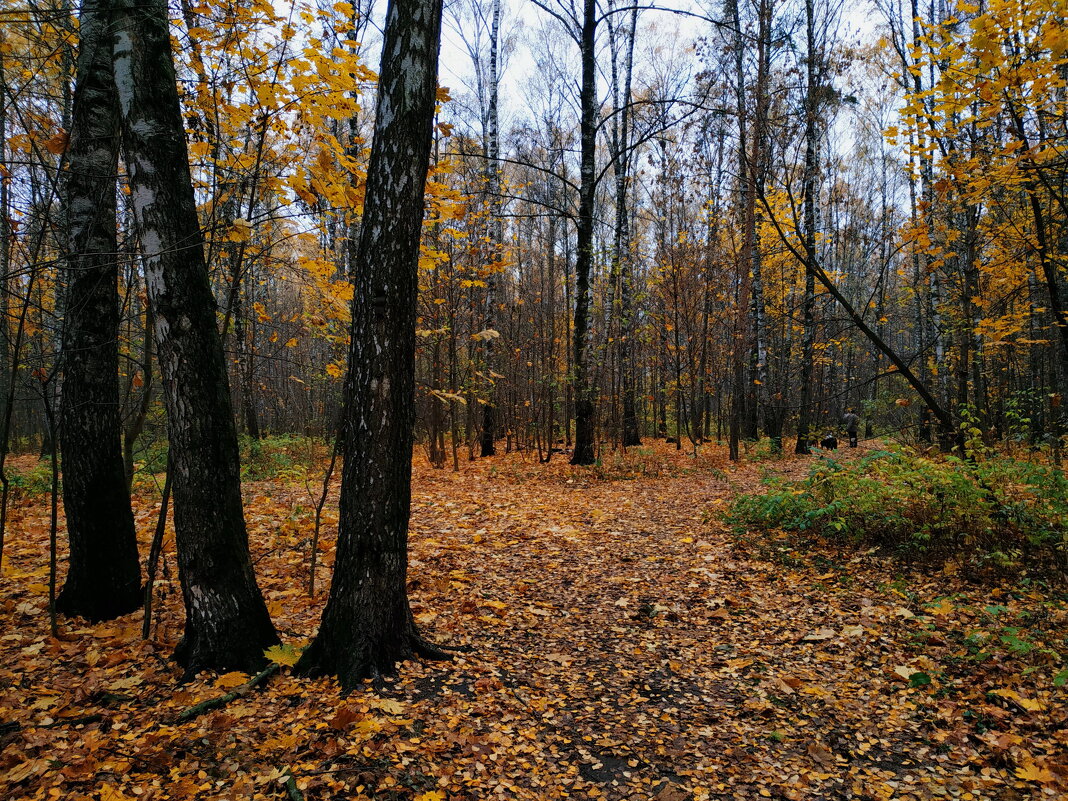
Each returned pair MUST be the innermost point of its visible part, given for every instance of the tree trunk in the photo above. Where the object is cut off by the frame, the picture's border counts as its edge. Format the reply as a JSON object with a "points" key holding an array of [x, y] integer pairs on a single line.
{"points": [[808, 336], [227, 625], [367, 625], [493, 186], [104, 577], [629, 435], [584, 403]]}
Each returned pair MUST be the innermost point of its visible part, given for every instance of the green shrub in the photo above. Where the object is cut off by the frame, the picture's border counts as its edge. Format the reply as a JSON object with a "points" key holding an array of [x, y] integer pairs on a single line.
{"points": [[31, 482], [917, 504], [153, 459], [283, 456]]}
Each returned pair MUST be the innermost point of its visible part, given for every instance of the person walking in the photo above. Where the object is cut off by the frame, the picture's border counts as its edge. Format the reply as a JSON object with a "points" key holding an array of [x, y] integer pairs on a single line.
{"points": [[852, 423]]}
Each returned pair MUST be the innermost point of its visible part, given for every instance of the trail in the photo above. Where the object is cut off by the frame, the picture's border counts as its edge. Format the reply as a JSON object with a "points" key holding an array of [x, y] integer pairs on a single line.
{"points": [[619, 643]]}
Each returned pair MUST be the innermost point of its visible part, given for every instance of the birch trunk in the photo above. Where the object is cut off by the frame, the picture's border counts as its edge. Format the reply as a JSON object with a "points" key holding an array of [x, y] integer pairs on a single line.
{"points": [[227, 625], [104, 576], [367, 625], [584, 401]]}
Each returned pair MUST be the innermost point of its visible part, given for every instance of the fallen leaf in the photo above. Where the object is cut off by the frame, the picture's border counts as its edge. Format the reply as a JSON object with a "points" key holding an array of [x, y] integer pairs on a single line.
{"points": [[1033, 773], [820, 635], [228, 681], [819, 752]]}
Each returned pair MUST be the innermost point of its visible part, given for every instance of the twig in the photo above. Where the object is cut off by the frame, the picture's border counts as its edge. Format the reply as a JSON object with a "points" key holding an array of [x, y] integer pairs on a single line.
{"points": [[156, 549], [319, 508], [222, 700]]}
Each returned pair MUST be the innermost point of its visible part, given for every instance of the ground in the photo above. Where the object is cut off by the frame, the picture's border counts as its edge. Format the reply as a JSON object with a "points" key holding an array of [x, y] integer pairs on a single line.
{"points": [[619, 642]]}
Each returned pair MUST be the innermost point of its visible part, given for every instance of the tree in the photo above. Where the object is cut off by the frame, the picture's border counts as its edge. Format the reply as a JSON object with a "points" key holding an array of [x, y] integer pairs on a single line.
{"points": [[585, 408], [367, 625], [813, 63], [104, 578], [227, 625], [621, 246], [487, 66]]}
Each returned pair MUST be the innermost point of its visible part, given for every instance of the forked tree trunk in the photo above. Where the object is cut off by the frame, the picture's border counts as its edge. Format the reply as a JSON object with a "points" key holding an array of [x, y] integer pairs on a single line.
{"points": [[227, 625], [104, 577], [367, 625]]}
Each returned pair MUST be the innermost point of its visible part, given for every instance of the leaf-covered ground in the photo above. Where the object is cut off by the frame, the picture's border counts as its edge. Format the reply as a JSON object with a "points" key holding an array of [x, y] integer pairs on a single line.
{"points": [[620, 644]]}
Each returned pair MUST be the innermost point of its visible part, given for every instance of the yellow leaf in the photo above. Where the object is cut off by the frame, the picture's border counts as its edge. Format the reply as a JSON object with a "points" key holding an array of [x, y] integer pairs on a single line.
{"points": [[1033, 773], [433, 795], [283, 654], [241, 231], [112, 793], [1026, 703], [388, 706], [229, 680], [57, 144]]}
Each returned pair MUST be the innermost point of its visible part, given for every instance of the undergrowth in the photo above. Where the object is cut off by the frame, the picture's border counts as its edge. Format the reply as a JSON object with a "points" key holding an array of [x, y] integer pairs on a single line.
{"points": [[991, 512], [288, 457], [31, 481]]}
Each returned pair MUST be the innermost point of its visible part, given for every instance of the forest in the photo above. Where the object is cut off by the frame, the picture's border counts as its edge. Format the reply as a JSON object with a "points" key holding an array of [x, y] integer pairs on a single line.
{"points": [[533, 399]]}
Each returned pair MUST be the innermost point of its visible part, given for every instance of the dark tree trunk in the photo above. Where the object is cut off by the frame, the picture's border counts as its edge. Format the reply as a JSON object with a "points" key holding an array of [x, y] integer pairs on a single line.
{"points": [[227, 625], [808, 337], [493, 184], [104, 577], [585, 409], [629, 436], [137, 423], [367, 625]]}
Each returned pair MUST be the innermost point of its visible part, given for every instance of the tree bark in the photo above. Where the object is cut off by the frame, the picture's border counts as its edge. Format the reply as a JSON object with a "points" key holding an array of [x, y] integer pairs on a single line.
{"points": [[227, 625], [104, 576], [585, 409], [493, 186], [811, 179], [367, 625], [629, 434]]}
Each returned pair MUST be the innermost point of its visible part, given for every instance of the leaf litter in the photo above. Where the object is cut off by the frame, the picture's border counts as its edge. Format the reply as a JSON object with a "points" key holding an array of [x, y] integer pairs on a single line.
{"points": [[618, 642]]}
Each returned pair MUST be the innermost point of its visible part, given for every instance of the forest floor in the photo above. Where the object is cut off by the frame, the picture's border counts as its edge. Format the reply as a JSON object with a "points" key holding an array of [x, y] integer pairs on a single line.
{"points": [[623, 644]]}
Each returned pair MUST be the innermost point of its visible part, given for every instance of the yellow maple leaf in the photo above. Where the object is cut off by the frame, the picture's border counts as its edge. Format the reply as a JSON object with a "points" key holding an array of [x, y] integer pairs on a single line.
{"points": [[112, 793], [388, 706], [229, 680], [283, 654], [433, 795], [1033, 773], [241, 231]]}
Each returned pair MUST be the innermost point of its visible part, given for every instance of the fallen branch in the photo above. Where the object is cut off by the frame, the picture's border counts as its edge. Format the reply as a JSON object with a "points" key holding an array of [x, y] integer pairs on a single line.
{"points": [[214, 703]]}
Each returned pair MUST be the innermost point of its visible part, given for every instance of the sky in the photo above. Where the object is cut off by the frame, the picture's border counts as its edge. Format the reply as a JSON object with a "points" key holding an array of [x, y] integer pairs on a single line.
{"points": [[522, 19]]}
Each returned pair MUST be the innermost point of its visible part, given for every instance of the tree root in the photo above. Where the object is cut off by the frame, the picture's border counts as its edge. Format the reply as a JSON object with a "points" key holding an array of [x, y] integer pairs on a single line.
{"points": [[220, 701], [436, 653]]}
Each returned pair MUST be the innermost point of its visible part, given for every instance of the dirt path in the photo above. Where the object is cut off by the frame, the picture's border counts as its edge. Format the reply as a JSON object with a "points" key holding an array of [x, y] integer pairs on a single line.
{"points": [[620, 644]]}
